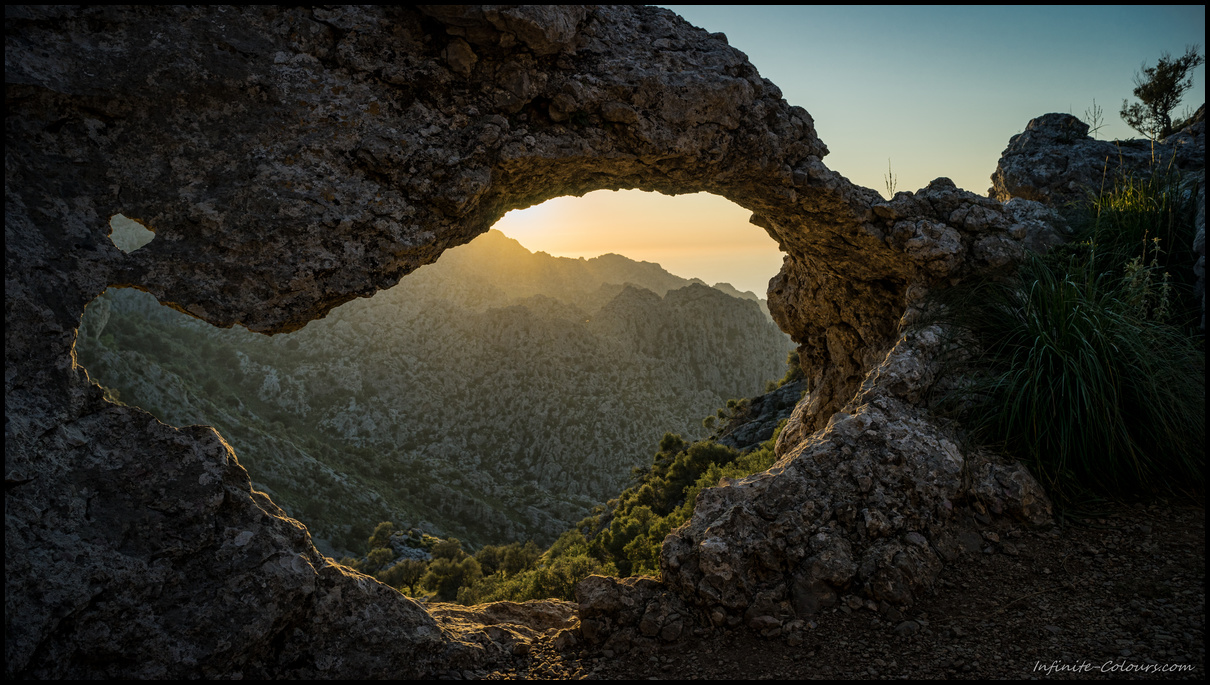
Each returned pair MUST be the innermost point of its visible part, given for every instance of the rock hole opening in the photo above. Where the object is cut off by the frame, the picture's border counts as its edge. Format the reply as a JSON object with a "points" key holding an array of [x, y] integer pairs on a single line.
{"points": [[127, 234], [500, 395]]}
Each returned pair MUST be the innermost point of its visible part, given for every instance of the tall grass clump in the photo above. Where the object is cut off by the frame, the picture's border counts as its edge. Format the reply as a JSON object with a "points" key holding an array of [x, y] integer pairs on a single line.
{"points": [[1087, 365], [1143, 228]]}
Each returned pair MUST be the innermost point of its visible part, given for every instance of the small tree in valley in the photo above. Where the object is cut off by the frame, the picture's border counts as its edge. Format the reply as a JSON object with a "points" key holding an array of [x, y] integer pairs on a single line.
{"points": [[382, 535]]}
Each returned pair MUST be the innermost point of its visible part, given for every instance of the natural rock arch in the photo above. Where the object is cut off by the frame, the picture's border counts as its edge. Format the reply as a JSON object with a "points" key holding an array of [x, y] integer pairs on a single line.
{"points": [[290, 160]]}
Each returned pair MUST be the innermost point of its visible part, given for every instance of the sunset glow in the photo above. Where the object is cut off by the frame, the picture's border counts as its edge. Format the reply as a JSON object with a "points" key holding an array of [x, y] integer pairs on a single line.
{"points": [[694, 236]]}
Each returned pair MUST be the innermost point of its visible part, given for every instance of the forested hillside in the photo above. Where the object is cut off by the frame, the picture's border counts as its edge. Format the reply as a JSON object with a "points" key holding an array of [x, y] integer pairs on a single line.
{"points": [[496, 395]]}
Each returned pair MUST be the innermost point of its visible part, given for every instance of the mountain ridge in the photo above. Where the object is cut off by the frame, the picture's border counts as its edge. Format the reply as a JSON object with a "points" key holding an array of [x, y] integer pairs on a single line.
{"points": [[493, 368]]}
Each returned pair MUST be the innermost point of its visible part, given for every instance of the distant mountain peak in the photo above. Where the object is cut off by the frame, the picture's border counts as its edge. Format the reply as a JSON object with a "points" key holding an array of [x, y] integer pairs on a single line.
{"points": [[508, 268], [497, 240]]}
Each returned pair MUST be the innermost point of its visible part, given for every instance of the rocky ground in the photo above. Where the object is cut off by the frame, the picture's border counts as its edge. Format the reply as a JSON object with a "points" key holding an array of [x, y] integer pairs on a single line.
{"points": [[1105, 595]]}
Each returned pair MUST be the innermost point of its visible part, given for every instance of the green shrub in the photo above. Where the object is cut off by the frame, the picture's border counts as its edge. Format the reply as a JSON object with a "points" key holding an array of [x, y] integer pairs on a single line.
{"points": [[1076, 366], [382, 535], [376, 560], [1142, 230], [450, 548], [445, 576], [554, 575], [559, 577], [793, 369], [404, 575], [508, 559], [625, 540], [629, 536]]}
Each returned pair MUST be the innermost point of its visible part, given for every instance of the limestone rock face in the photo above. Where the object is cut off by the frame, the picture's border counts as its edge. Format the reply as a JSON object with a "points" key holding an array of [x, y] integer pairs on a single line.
{"points": [[758, 421], [1055, 162], [291, 159], [942, 233], [863, 507]]}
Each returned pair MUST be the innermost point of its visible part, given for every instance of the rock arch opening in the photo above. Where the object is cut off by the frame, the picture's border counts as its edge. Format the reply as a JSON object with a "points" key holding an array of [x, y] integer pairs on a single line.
{"points": [[291, 160], [495, 396], [127, 234]]}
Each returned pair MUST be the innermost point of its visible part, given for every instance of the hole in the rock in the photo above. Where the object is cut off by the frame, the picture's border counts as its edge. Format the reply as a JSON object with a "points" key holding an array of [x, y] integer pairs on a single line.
{"points": [[498, 395], [127, 234]]}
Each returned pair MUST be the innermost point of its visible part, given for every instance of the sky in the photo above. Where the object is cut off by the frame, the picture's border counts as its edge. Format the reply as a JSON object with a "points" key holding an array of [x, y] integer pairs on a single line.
{"points": [[931, 91]]}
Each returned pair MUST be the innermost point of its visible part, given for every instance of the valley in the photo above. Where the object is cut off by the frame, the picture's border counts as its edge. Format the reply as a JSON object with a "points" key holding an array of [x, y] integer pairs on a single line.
{"points": [[498, 395]]}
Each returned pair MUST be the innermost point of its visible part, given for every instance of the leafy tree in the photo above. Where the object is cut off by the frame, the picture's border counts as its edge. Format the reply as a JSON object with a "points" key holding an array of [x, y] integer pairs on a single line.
{"points": [[382, 535], [356, 539], [559, 578], [689, 466], [1160, 89], [491, 558], [672, 443], [445, 576], [520, 557], [449, 549], [508, 559], [378, 557], [405, 574]]}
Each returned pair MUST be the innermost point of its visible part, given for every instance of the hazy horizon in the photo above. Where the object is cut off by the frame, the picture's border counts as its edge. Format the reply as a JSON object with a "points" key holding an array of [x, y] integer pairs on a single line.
{"points": [[699, 236]]}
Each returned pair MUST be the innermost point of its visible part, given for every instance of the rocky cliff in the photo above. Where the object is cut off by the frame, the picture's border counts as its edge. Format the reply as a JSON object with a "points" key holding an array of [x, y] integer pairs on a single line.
{"points": [[292, 159]]}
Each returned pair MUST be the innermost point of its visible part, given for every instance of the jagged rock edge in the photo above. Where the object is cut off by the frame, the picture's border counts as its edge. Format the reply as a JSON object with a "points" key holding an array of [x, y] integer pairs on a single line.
{"points": [[135, 549]]}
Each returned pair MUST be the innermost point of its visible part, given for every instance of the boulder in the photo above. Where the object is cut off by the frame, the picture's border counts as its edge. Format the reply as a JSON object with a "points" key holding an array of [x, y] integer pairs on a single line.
{"points": [[1055, 162]]}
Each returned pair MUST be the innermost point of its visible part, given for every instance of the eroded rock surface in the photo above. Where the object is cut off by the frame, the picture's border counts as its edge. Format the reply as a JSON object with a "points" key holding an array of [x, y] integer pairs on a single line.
{"points": [[289, 160], [940, 235], [1055, 162], [863, 508]]}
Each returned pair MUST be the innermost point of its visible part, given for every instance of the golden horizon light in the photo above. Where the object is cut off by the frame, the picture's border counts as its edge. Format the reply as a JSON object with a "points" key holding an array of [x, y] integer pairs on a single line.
{"points": [[693, 236]]}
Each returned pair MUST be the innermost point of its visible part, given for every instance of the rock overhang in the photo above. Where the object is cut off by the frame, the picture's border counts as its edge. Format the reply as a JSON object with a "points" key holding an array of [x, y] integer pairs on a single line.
{"points": [[289, 160]]}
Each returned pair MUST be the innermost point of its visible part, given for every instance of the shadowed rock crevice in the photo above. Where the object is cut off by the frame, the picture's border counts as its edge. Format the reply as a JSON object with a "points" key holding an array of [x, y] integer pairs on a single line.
{"points": [[289, 160]]}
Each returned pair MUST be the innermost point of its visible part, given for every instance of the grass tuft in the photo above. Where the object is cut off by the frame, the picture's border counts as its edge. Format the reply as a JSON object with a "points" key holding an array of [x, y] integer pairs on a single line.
{"points": [[1086, 366]]}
